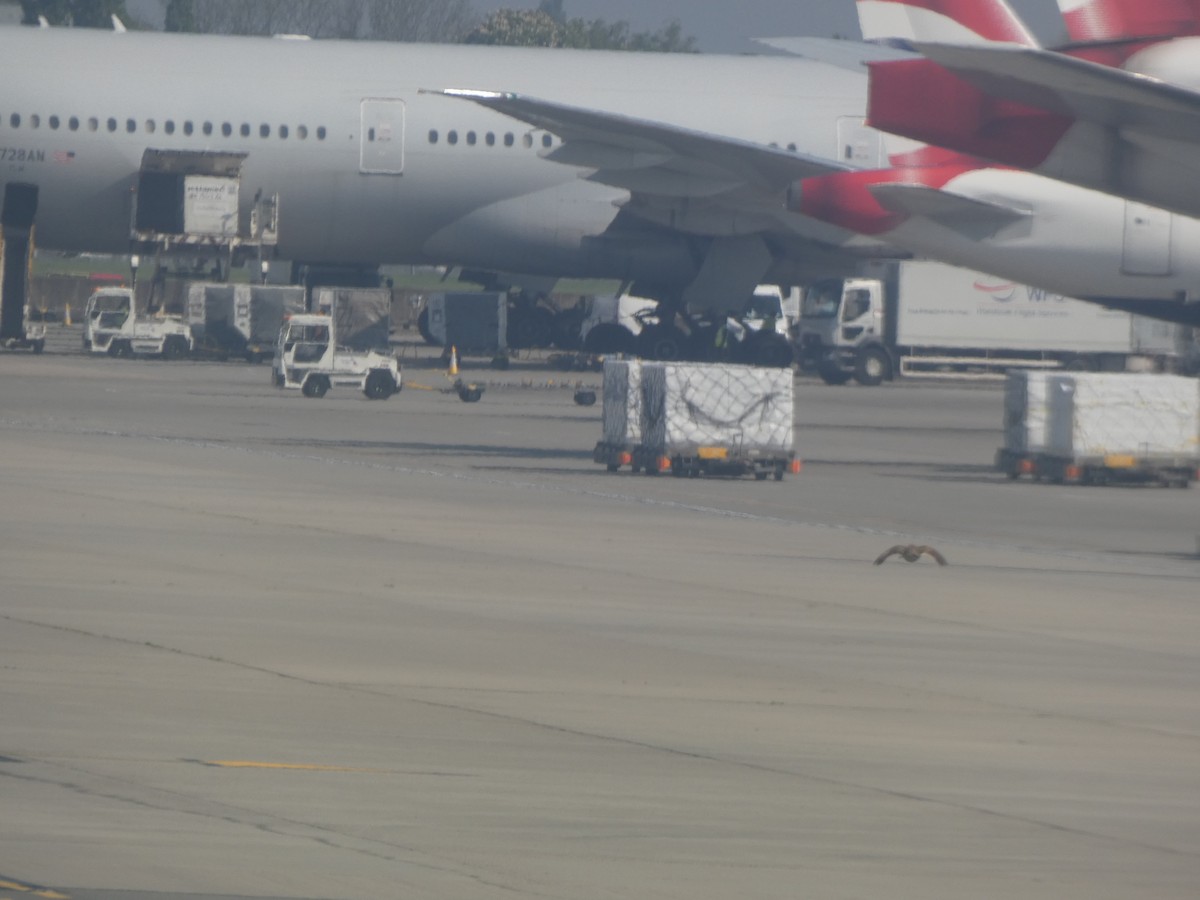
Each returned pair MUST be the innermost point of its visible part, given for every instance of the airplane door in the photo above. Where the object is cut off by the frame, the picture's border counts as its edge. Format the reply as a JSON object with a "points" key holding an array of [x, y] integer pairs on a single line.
{"points": [[382, 137], [1147, 240]]}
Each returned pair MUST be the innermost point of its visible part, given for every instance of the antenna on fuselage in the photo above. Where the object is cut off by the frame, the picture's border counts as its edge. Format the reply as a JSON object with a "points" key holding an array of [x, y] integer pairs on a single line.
{"points": [[43, 22], [118, 25]]}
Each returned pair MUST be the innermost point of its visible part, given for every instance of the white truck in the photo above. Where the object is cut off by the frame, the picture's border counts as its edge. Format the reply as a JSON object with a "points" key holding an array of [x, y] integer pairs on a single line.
{"points": [[917, 317], [112, 326], [308, 358]]}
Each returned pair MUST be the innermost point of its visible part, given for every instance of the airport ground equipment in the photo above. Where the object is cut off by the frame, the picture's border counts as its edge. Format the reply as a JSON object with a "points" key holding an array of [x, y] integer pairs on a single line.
{"points": [[695, 419], [918, 317], [240, 320], [308, 358], [33, 337], [475, 324], [111, 325], [363, 315], [1098, 428]]}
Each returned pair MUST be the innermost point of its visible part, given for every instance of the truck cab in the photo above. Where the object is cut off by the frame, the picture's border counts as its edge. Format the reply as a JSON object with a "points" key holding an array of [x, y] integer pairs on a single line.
{"points": [[308, 358], [111, 326], [841, 331]]}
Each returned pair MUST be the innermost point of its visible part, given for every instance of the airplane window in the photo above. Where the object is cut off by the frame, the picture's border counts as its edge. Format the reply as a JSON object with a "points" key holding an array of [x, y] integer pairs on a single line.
{"points": [[169, 126], [547, 141], [433, 136], [264, 131], [451, 137], [188, 127], [527, 140], [226, 129], [150, 126], [302, 132], [208, 127], [130, 126], [35, 120], [112, 124], [93, 124], [371, 135], [321, 133], [491, 139], [245, 130], [509, 139], [471, 138], [54, 122], [283, 132], [73, 123], [15, 120]]}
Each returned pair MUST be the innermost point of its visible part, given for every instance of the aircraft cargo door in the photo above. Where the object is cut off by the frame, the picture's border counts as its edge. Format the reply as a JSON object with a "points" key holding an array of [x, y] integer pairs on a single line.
{"points": [[1147, 240], [382, 137]]}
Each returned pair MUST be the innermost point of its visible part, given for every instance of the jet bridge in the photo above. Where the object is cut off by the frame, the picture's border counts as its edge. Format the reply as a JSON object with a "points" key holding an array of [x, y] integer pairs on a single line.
{"points": [[189, 202]]}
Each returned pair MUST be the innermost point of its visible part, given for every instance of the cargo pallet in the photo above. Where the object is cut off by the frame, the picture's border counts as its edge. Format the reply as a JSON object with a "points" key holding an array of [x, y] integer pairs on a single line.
{"points": [[696, 461], [1177, 471]]}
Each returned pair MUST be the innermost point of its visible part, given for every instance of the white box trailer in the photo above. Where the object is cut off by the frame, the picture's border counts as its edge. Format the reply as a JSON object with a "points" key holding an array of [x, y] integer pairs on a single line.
{"points": [[916, 316], [1099, 427], [716, 419]]}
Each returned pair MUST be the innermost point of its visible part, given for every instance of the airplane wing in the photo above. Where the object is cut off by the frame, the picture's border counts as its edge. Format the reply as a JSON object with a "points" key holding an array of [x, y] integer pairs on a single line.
{"points": [[727, 185], [978, 218], [1075, 87], [835, 52]]}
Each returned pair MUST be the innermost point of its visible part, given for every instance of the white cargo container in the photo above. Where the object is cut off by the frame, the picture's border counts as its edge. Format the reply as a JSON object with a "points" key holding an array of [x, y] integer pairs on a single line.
{"points": [[1099, 427], [241, 320], [716, 419], [622, 405]]}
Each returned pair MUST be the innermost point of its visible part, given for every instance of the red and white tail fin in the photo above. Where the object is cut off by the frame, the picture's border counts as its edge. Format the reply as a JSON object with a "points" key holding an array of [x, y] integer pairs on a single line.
{"points": [[1101, 21], [932, 21], [942, 22]]}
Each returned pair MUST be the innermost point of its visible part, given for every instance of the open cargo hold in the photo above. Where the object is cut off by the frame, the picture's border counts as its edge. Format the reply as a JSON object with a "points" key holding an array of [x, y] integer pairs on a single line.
{"points": [[1101, 427], [699, 419]]}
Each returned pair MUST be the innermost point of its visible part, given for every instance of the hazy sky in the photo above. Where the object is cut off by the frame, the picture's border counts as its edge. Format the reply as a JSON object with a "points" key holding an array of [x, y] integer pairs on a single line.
{"points": [[727, 25]]}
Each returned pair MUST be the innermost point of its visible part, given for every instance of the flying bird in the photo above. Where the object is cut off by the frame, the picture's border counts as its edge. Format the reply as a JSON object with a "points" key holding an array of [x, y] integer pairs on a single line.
{"points": [[911, 553]]}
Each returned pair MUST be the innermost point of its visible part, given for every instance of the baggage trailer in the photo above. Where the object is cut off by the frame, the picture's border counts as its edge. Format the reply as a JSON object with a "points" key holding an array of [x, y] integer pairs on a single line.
{"points": [[1090, 428], [696, 419]]}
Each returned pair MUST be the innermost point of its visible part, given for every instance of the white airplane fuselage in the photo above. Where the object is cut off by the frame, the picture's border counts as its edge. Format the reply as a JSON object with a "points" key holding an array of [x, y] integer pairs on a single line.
{"points": [[442, 181]]}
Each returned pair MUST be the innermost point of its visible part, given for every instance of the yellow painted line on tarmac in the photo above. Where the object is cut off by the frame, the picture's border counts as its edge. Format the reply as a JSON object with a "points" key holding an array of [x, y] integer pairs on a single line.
{"points": [[298, 767]]}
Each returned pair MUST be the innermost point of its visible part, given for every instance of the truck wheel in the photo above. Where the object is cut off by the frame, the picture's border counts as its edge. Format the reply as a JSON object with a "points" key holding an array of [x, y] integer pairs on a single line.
{"points": [[379, 385], [174, 348], [120, 349], [832, 374], [662, 343], [609, 338], [316, 386], [873, 367], [39, 346], [772, 351]]}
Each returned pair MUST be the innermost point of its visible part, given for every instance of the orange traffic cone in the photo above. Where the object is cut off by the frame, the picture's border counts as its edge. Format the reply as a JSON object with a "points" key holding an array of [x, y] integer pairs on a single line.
{"points": [[67, 315], [453, 360]]}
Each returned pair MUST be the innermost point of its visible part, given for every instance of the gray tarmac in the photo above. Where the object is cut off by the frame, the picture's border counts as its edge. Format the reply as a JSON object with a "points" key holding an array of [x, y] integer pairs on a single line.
{"points": [[254, 645]]}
